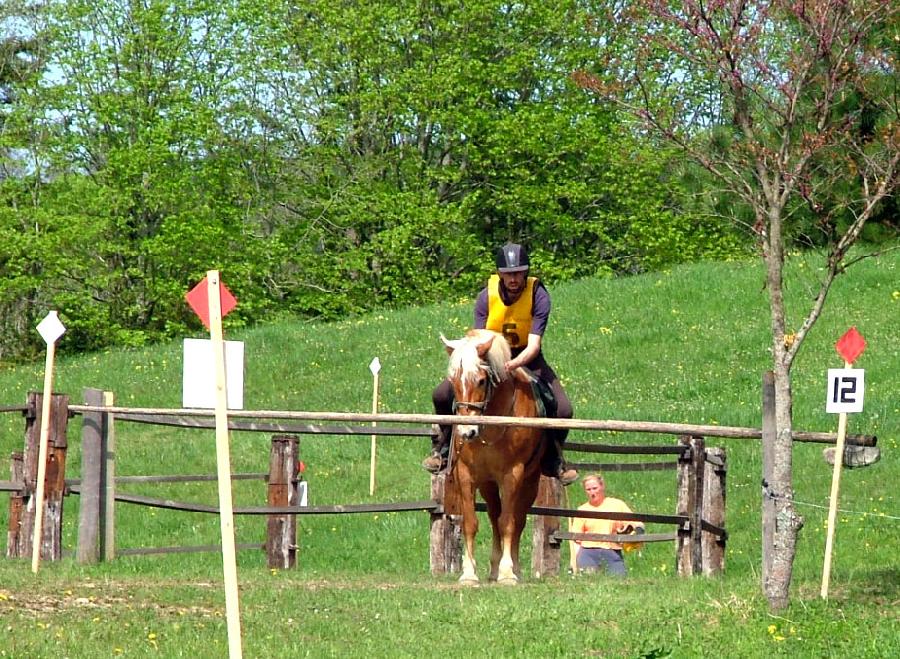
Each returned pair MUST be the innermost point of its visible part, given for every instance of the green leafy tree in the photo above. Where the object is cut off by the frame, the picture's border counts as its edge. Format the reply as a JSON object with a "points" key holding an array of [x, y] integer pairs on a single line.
{"points": [[136, 189], [786, 105]]}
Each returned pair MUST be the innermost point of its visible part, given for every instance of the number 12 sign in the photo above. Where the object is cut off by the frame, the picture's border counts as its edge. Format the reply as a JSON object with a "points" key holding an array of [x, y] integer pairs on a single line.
{"points": [[846, 389]]}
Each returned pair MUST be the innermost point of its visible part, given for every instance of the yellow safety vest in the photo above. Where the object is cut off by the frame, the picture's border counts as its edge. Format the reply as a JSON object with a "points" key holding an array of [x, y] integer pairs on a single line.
{"points": [[513, 321]]}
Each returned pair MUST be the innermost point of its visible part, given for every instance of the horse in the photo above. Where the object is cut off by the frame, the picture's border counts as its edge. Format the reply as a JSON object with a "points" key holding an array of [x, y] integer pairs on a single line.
{"points": [[502, 462]]}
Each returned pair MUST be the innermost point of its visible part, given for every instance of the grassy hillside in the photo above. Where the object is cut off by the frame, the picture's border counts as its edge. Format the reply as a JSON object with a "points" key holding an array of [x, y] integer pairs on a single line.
{"points": [[687, 345]]}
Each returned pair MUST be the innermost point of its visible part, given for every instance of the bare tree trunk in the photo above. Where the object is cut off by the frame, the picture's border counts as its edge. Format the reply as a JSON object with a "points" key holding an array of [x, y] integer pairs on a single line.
{"points": [[777, 583]]}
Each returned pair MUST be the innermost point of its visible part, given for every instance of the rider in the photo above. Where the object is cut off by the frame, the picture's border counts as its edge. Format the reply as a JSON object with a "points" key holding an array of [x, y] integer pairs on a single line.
{"points": [[517, 306]]}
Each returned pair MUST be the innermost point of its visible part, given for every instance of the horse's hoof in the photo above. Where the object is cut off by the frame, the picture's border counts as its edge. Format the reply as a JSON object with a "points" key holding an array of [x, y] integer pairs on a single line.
{"points": [[508, 581], [469, 581]]}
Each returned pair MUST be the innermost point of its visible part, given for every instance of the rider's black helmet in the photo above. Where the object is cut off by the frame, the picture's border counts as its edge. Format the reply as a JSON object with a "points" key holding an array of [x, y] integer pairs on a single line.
{"points": [[512, 258]]}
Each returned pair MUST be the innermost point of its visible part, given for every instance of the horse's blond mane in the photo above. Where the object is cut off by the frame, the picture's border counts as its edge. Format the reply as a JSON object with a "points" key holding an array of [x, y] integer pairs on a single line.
{"points": [[465, 360]]}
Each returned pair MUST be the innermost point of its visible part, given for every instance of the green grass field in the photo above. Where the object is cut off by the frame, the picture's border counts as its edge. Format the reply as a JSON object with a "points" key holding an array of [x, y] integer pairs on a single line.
{"points": [[687, 345]]}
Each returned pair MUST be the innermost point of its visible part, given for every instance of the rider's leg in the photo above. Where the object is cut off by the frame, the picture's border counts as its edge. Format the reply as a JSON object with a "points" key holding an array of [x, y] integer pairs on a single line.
{"points": [[442, 398], [557, 437]]}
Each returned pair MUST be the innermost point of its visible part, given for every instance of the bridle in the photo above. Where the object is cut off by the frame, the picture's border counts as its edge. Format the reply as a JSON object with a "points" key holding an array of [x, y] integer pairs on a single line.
{"points": [[489, 387]]}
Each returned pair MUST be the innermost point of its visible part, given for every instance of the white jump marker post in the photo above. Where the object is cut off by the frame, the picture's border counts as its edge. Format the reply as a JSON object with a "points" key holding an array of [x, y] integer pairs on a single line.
{"points": [[846, 389], [51, 328], [219, 302], [375, 367]]}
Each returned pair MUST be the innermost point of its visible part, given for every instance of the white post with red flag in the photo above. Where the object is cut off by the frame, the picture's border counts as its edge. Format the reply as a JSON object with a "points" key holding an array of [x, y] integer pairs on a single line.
{"points": [[50, 329], [211, 301], [846, 390]]}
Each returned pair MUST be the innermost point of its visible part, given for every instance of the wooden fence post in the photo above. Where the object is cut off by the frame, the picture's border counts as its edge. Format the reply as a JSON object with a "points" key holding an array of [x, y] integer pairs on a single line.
{"points": [[281, 530], [545, 552], [108, 482], [16, 505], [768, 468], [689, 555], [713, 545], [446, 533], [88, 550], [54, 481]]}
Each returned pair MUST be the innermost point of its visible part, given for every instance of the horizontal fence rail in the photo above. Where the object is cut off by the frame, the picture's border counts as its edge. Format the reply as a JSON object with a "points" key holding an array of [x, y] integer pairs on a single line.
{"points": [[734, 432], [171, 504], [618, 537]]}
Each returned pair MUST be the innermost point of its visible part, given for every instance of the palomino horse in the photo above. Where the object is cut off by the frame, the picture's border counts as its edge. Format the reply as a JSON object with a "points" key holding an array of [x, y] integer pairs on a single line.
{"points": [[502, 462]]}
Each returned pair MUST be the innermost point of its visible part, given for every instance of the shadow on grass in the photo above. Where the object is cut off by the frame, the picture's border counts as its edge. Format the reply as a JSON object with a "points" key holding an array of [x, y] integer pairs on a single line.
{"points": [[878, 585]]}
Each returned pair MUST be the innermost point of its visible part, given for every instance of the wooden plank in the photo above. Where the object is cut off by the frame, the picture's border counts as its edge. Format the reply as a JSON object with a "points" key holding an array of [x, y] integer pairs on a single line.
{"points": [[627, 450], [733, 432], [445, 533], [176, 478], [16, 505], [254, 426], [223, 468], [108, 483], [143, 551], [281, 530], [88, 550], [29, 473], [12, 486], [713, 534], [617, 537], [592, 514], [545, 550], [688, 553], [625, 466], [169, 504], [42, 451]]}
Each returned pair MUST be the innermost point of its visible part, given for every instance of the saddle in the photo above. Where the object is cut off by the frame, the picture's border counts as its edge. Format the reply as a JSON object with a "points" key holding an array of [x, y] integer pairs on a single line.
{"points": [[543, 395]]}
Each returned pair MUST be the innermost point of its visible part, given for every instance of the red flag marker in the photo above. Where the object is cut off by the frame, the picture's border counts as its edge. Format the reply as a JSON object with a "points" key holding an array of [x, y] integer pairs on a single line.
{"points": [[851, 345], [198, 299]]}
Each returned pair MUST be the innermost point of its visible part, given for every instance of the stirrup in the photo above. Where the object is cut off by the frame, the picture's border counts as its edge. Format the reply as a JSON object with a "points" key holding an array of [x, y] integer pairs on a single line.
{"points": [[433, 463], [567, 476]]}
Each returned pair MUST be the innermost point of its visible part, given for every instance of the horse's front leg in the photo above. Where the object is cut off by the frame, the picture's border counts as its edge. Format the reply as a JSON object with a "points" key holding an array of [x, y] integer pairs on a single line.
{"points": [[469, 523], [491, 493], [508, 572], [527, 493]]}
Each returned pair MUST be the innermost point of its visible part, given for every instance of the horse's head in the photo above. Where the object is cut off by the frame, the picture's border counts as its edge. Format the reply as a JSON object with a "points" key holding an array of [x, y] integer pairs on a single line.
{"points": [[476, 368]]}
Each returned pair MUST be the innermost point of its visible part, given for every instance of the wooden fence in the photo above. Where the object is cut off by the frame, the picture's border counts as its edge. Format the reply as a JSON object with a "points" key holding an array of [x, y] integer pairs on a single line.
{"points": [[699, 537], [699, 519]]}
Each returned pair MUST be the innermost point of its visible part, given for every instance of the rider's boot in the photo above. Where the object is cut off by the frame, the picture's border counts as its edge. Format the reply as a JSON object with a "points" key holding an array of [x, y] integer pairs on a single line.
{"points": [[554, 466], [440, 449]]}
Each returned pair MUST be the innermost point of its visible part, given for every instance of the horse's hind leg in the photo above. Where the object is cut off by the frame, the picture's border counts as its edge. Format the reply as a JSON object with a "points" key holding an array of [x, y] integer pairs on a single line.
{"points": [[491, 494]]}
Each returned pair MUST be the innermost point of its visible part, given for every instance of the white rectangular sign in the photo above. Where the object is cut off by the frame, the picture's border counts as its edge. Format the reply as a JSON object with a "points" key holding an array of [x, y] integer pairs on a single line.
{"points": [[846, 389], [199, 375]]}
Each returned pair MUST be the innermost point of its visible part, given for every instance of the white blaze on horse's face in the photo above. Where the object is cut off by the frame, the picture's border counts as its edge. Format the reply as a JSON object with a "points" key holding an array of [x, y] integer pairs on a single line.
{"points": [[471, 378]]}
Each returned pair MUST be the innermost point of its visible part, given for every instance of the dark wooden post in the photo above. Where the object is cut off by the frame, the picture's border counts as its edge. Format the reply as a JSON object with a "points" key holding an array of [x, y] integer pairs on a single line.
{"points": [[768, 468], [446, 533], [54, 481], [88, 550], [544, 550], [281, 530], [689, 556], [16, 505], [713, 545]]}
